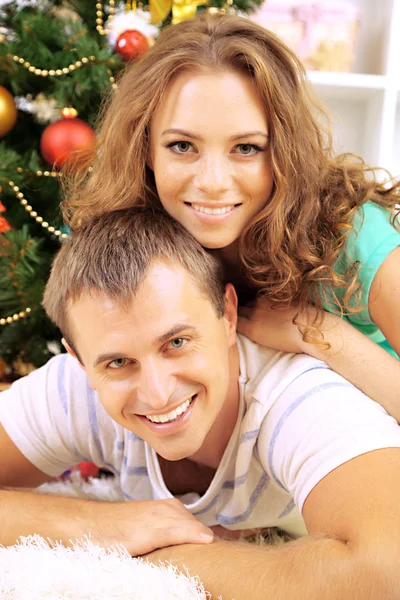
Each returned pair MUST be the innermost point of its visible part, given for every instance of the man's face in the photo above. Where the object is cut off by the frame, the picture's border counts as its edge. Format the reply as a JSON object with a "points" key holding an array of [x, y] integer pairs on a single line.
{"points": [[167, 351]]}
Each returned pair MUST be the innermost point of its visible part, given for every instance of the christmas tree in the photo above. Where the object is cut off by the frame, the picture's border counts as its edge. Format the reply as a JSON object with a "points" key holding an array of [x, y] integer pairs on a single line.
{"points": [[57, 61]]}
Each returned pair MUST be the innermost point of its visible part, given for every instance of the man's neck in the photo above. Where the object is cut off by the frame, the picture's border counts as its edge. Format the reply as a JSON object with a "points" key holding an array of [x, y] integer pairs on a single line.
{"points": [[211, 452]]}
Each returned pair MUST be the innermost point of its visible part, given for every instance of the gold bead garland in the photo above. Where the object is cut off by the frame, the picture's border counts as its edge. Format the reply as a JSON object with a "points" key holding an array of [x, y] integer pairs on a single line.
{"points": [[24, 313], [79, 63], [53, 72], [16, 317], [100, 16], [32, 212]]}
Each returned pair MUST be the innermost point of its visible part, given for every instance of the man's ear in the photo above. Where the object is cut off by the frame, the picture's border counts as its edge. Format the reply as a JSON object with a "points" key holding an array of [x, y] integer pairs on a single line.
{"points": [[72, 352], [230, 313]]}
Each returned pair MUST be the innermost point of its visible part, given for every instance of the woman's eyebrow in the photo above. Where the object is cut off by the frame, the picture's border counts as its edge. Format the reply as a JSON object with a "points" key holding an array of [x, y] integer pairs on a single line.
{"points": [[248, 134], [236, 136], [183, 132]]}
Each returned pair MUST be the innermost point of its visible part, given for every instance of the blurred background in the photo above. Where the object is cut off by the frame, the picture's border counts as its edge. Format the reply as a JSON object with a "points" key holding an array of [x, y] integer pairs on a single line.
{"points": [[58, 59]]}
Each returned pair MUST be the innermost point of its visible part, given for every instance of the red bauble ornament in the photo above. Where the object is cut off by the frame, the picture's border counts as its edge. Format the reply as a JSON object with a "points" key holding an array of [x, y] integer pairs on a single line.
{"points": [[64, 137], [131, 44]]}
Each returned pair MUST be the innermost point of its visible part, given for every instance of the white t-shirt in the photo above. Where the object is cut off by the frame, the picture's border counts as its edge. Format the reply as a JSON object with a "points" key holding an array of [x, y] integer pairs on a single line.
{"points": [[297, 422]]}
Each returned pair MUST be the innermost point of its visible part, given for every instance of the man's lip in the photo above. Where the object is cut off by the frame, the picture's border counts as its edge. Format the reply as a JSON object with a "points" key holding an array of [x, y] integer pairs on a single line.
{"points": [[168, 411]]}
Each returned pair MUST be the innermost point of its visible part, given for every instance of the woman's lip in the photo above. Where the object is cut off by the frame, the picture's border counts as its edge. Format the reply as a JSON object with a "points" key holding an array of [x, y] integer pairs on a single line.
{"points": [[210, 218], [172, 426], [214, 205]]}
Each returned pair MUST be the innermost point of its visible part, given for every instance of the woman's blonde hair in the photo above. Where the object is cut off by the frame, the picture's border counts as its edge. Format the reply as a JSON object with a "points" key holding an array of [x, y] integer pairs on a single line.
{"points": [[289, 249]]}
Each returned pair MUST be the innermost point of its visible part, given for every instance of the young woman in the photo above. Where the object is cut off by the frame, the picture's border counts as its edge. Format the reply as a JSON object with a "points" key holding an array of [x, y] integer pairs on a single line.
{"points": [[216, 122]]}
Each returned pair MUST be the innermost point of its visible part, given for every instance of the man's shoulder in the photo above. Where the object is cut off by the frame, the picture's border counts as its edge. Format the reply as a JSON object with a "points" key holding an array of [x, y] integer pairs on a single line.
{"points": [[268, 372], [59, 376]]}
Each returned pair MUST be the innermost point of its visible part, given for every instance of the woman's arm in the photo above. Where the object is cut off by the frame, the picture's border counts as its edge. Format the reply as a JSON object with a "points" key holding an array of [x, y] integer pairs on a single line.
{"points": [[351, 354], [384, 299]]}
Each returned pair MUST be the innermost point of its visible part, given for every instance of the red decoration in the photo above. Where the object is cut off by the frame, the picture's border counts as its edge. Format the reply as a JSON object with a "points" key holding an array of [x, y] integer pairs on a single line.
{"points": [[64, 137], [131, 44], [88, 469], [4, 225]]}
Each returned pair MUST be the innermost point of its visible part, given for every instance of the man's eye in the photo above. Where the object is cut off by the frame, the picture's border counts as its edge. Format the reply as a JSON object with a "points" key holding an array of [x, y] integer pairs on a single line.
{"points": [[180, 147], [118, 363], [178, 343]]}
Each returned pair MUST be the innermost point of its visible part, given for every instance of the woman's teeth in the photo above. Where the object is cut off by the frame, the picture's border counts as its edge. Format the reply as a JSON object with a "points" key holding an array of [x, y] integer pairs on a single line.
{"points": [[172, 415], [213, 211]]}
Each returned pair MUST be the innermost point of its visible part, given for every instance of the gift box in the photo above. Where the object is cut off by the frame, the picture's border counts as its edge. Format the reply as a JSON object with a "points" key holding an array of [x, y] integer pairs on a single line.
{"points": [[323, 34]]}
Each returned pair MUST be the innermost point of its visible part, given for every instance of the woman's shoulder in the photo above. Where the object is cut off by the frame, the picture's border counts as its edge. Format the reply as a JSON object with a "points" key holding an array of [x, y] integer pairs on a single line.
{"points": [[372, 215], [372, 232]]}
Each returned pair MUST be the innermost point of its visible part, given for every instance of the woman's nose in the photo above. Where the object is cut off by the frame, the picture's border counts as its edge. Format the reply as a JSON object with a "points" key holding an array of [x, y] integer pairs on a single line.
{"points": [[213, 176]]}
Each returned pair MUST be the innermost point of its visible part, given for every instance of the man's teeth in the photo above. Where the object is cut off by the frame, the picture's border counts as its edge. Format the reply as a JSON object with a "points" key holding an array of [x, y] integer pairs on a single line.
{"points": [[174, 414], [213, 211]]}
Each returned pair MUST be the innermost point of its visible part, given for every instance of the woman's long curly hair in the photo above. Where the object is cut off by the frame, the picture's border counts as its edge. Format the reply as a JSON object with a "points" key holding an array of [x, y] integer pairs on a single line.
{"points": [[289, 249]]}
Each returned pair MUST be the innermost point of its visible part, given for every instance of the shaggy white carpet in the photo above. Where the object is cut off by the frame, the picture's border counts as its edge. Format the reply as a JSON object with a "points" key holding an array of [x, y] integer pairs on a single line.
{"points": [[35, 570]]}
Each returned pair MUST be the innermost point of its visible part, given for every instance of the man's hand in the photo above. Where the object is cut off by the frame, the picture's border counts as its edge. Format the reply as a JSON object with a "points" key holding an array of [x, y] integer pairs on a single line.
{"points": [[139, 526], [144, 526]]}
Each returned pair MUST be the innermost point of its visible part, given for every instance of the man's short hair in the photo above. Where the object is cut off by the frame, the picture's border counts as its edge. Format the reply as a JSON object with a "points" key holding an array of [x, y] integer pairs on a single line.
{"points": [[113, 253]]}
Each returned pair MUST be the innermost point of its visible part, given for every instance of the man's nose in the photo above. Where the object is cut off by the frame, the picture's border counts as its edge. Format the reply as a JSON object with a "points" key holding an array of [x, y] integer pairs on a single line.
{"points": [[155, 385], [213, 176]]}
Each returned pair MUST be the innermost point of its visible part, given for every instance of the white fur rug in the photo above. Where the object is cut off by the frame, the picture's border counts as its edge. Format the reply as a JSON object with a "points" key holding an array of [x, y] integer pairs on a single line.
{"points": [[34, 570]]}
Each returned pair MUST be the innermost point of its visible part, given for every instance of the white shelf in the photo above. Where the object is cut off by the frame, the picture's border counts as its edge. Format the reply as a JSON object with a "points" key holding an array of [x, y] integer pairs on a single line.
{"points": [[348, 85], [364, 105]]}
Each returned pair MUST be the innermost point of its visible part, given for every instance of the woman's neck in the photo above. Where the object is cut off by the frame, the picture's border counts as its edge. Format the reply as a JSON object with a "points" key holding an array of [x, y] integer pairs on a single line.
{"points": [[230, 255], [234, 272]]}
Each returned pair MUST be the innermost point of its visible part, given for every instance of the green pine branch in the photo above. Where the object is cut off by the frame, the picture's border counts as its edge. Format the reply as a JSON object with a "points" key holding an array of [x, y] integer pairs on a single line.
{"points": [[23, 271]]}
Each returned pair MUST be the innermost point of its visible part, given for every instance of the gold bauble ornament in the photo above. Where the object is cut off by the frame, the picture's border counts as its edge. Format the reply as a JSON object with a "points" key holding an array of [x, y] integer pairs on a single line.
{"points": [[8, 111]]}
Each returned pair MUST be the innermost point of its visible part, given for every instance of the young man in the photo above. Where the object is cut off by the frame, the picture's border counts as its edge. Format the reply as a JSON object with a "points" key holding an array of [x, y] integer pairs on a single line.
{"points": [[161, 391]]}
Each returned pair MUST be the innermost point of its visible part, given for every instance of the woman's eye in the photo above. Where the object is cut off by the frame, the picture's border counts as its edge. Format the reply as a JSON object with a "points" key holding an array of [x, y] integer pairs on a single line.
{"points": [[178, 343], [248, 149], [180, 147], [118, 363]]}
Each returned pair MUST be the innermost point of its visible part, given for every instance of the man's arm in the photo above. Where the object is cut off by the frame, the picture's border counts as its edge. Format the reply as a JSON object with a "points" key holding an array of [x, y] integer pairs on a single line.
{"points": [[140, 526], [353, 517]]}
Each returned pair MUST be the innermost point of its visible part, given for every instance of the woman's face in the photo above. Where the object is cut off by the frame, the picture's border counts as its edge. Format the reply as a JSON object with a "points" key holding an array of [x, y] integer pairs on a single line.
{"points": [[209, 153]]}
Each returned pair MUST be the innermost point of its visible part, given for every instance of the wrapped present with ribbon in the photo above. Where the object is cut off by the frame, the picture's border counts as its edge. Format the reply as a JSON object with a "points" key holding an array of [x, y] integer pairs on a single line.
{"points": [[182, 10], [323, 34]]}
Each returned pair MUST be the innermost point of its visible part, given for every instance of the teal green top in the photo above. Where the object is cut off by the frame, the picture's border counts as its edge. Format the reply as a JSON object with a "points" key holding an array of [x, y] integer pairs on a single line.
{"points": [[372, 239]]}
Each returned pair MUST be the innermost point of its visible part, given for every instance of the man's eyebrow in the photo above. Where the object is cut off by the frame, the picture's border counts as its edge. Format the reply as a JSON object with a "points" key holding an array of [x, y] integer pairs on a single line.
{"points": [[175, 330], [193, 136], [108, 357]]}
